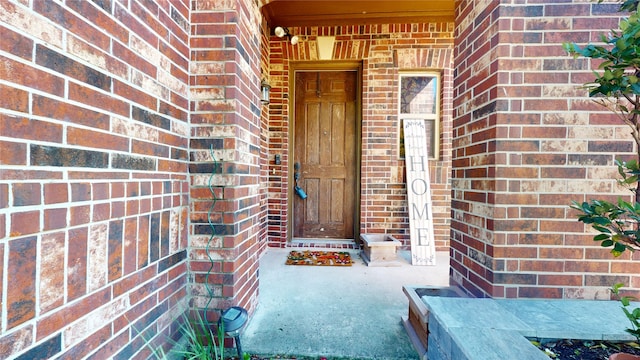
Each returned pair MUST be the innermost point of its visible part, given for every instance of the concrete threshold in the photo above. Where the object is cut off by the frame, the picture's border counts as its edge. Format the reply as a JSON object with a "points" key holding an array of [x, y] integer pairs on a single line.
{"points": [[487, 329]]}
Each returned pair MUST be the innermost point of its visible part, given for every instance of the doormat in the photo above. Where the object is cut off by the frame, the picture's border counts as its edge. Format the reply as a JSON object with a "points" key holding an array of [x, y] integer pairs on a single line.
{"points": [[319, 258]]}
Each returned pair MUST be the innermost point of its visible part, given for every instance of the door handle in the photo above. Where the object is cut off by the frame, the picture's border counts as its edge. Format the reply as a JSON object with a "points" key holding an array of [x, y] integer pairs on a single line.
{"points": [[300, 192], [296, 175]]}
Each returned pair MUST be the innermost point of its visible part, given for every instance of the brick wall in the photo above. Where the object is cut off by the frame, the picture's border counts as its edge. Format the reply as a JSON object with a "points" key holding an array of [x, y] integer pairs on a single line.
{"points": [[225, 153], [93, 187], [526, 142], [384, 50]]}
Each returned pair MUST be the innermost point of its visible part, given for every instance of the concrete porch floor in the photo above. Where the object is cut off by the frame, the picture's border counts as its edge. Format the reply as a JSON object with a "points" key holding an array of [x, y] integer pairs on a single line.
{"points": [[352, 312]]}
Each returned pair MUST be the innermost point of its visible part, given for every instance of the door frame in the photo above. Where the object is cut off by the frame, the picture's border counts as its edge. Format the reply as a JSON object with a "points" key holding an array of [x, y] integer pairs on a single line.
{"points": [[325, 66]]}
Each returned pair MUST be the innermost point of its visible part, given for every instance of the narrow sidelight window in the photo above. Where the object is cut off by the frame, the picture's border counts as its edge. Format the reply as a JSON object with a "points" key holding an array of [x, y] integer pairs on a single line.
{"points": [[419, 98]]}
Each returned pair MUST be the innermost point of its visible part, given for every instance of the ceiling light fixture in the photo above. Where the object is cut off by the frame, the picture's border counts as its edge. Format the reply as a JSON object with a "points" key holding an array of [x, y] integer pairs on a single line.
{"points": [[283, 31]]}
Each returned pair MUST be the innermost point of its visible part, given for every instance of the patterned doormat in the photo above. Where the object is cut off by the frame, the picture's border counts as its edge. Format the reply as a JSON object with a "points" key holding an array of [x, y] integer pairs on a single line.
{"points": [[319, 258]]}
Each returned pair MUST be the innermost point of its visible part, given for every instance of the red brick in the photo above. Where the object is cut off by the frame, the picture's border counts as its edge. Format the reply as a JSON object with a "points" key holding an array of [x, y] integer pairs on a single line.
{"points": [[100, 191], [540, 292], [94, 139], [115, 250], [117, 190], [79, 215], [587, 266], [132, 207], [586, 23], [559, 280], [605, 280], [3, 228], [77, 263], [625, 267], [14, 99], [137, 96], [80, 192], [143, 241], [52, 273], [118, 209], [25, 194], [24, 223], [563, 173], [107, 102], [16, 44], [22, 74], [130, 262], [12, 153], [55, 219], [54, 109], [546, 105], [21, 295], [569, 10], [150, 149], [24, 128], [55, 193], [560, 253], [598, 253], [542, 266]]}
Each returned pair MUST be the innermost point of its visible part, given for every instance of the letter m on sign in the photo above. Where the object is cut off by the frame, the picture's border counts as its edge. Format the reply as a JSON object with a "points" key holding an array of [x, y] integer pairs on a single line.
{"points": [[423, 249]]}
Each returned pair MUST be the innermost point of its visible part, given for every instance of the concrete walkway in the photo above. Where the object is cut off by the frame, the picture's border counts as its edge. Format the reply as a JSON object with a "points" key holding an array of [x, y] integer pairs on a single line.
{"points": [[353, 312]]}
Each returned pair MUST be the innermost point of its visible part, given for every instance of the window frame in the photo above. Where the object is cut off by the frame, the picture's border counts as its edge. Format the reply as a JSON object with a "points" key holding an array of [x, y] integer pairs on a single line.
{"points": [[435, 117]]}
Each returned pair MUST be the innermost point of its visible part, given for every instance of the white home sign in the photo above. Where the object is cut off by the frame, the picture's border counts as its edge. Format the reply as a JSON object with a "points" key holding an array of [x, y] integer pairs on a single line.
{"points": [[423, 249]]}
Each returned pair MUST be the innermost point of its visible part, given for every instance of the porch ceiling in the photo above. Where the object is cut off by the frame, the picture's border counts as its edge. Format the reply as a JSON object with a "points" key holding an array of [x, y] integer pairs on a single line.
{"points": [[353, 12]]}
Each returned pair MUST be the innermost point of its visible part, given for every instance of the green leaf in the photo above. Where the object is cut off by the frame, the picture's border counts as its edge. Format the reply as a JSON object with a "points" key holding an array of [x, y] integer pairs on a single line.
{"points": [[619, 247], [607, 243], [601, 237]]}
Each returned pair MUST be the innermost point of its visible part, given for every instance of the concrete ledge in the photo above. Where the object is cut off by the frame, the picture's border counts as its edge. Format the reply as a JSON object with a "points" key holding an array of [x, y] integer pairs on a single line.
{"points": [[471, 329], [492, 344], [572, 319]]}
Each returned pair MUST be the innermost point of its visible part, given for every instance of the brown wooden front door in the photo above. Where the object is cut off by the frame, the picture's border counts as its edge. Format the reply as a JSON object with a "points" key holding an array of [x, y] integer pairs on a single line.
{"points": [[325, 154]]}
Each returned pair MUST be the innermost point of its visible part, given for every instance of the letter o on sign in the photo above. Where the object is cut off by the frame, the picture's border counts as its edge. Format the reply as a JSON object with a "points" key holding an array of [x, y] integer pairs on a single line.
{"points": [[419, 186]]}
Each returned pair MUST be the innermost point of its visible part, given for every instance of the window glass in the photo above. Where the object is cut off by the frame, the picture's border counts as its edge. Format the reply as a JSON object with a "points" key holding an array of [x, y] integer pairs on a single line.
{"points": [[419, 98], [419, 94]]}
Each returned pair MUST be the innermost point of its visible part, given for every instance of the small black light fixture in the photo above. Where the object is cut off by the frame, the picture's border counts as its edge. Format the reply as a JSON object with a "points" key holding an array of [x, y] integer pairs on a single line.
{"points": [[265, 89], [233, 320]]}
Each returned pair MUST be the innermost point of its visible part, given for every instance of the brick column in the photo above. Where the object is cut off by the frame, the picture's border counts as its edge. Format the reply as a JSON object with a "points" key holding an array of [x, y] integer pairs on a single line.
{"points": [[225, 118], [93, 185], [528, 141]]}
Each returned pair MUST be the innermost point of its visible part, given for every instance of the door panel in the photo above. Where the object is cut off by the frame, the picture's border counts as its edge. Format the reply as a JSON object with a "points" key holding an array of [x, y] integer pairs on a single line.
{"points": [[325, 148]]}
